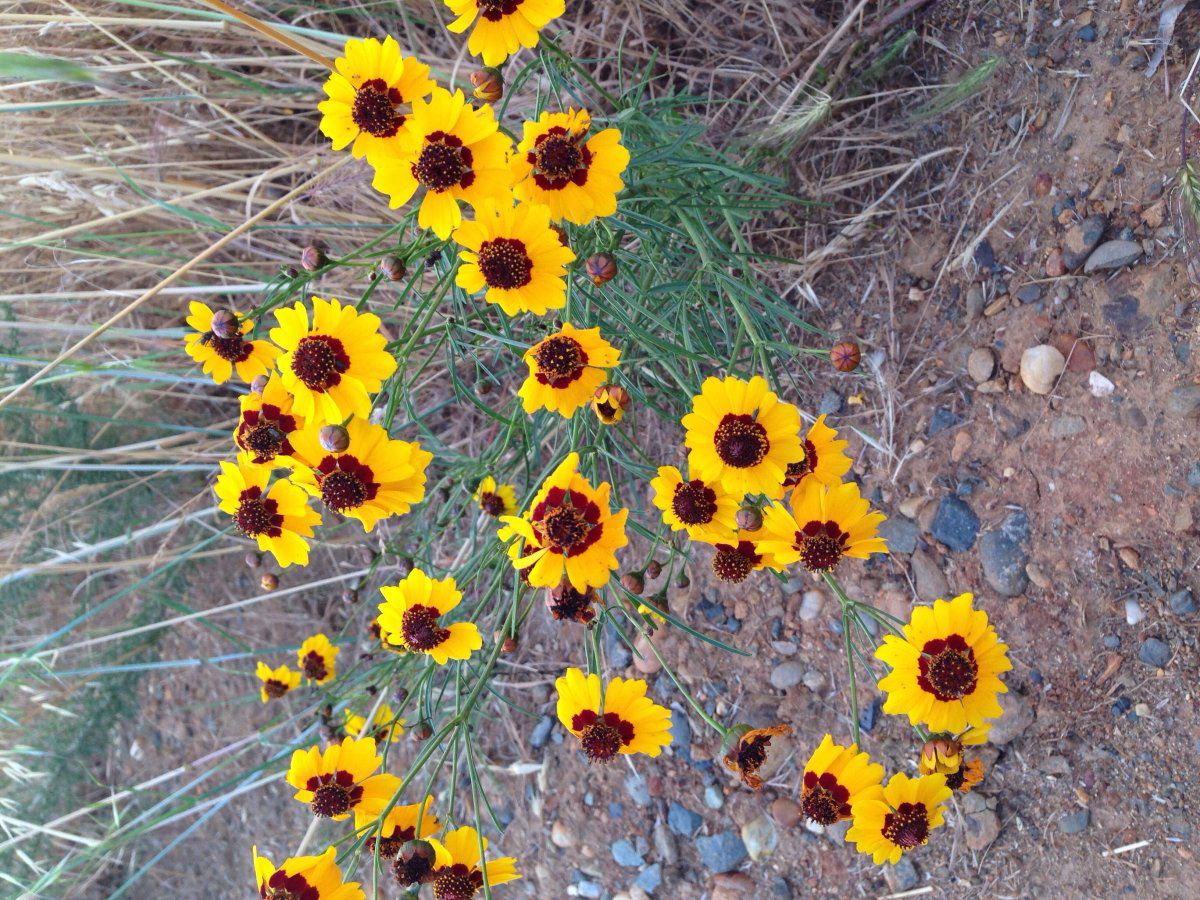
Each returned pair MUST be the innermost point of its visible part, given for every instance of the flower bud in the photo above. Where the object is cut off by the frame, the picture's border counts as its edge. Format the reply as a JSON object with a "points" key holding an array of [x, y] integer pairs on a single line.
{"points": [[609, 403], [488, 84], [269, 581], [749, 518], [393, 268], [334, 438], [845, 356], [509, 645], [653, 568], [422, 731], [633, 582], [291, 272], [253, 560], [401, 695], [414, 862], [312, 258], [601, 268], [349, 595], [224, 324], [683, 581], [259, 384]]}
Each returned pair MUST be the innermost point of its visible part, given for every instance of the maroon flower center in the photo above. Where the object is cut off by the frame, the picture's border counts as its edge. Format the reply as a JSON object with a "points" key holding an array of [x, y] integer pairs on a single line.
{"points": [[314, 666], [345, 483], [282, 886], [823, 799], [389, 846], [560, 360], [495, 10], [734, 564], [412, 870], [752, 754], [334, 793], [374, 109], [266, 438], [444, 163], [319, 361], [256, 516], [492, 504], [420, 630], [948, 669], [602, 737], [565, 527], [568, 603], [558, 159], [456, 882], [566, 522], [908, 826], [694, 502], [821, 545], [232, 349], [741, 442], [505, 263], [797, 470], [274, 689]]}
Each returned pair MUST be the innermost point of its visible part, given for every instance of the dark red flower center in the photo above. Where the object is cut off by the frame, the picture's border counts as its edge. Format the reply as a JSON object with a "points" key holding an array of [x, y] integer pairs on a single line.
{"points": [[908, 826], [274, 689], [492, 504], [566, 522], [319, 361], [740, 441], [602, 737], [282, 886], [345, 483], [569, 604], [334, 793], [314, 666], [232, 349], [559, 158], [560, 360], [821, 545], [264, 433], [823, 799], [374, 109], [694, 502], [257, 516], [444, 163], [797, 470], [456, 882], [505, 263], [752, 754], [420, 630], [734, 564], [389, 846], [948, 669], [414, 869], [495, 10]]}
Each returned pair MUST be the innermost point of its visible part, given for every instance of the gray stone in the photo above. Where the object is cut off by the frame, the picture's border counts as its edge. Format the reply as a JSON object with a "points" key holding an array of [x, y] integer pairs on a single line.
{"points": [[1124, 316], [627, 855], [1004, 553], [1016, 716], [814, 680], [760, 837], [1182, 603], [982, 827], [721, 852], [714, 797], [902, 876], [787, 675], [540, 735], [681, 732], [831, 403], [1184, 402], [974, 302], [1154, 653], [1080, 240], [638, 790], [682, 820], [981, 364], [1031, 293], [1041, 367], [1067, 426], [943, 418], [589, 889], [1075, 822], [616, 651], [900, 533], [1193, 476], [955, 524], [810, 605], [1112, 255], [930, 582], [651, 878]]}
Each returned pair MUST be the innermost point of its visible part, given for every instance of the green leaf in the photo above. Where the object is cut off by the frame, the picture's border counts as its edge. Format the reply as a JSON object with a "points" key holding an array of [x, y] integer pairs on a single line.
{"points": [[27, 67]]}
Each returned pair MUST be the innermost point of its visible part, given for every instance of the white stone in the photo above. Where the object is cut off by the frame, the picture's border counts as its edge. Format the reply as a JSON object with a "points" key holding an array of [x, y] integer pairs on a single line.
{"points": [[1133, 612], [1040, 368], [1099, 385]]}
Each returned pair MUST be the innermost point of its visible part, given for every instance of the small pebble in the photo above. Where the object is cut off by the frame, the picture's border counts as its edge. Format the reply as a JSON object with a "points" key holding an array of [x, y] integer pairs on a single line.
{"points": [[1099, 385], [1133, 612], [1182, 603], [1154, 653], [810, 605], [714, 797]]}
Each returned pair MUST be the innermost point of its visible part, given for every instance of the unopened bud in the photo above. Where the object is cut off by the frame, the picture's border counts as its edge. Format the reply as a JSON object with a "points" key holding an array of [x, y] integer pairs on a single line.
{"points": [[291, 272], [653, 568], [393, 268], [609, 403], [483, 387], [633, 582], [601, 268], [259, 384], [401, 695], [683, 581], [422, 731], [224, 324], [253, 560], [414, 862], [488, 84], [349, 596], [845, 356], [749, 518], [269, 581], [334, 438], [312, 258]]}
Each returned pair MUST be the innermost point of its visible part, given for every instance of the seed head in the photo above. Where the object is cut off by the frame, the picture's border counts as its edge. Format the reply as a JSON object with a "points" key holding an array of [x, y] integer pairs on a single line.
{"points": [[334, 438], [749, 518], [269, 581], [393, 268], [633, 582], [312, 258]]}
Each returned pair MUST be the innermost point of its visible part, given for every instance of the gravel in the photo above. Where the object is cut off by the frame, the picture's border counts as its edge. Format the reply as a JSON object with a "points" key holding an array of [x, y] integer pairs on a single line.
{"points": [[1004, 553], [1112, 255], [627, 855], [682, 820], [1154, 653], [721, 852], [787, 675], [901, 535], [1182, 603], [651, 878], [955, 524], [1075, 822]]}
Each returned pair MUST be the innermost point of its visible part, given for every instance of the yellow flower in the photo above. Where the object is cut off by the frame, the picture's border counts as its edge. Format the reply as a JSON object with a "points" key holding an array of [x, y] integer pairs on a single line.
{"points": [[749, 752], [835, 777], [559, 166], [565, 369], [568, 531], [455, 152], [370, 93], [946, 670], [609, 403], [627, 721], [890, 820], [316, 659], [310, 877], [824, 460], [276, 682], [505, 26], [515, 254], [706, 511], [457, 875], [384, 725], [652, 611], [740, 435], [220, 356], [943, 755], [496, 499], [411, 617], [340, 780], [402, 824], [265, 422], [824, 525], [278, 519], [373, 478], [332, 366]]}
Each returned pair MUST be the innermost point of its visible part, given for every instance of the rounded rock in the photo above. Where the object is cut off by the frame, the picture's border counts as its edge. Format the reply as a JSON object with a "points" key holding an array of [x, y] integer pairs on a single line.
{"points": [[1041, 367], [981, 364]]}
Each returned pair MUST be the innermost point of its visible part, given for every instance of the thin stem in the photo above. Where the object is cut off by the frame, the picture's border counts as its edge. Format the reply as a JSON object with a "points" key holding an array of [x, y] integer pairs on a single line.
{"points": [[268, 31]]}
